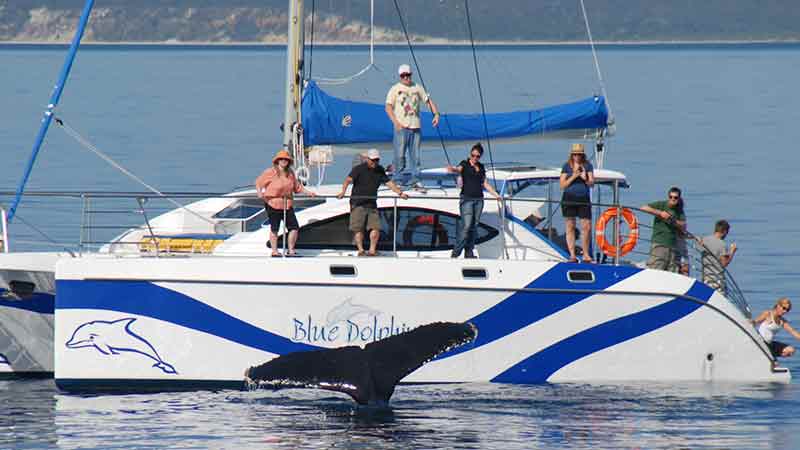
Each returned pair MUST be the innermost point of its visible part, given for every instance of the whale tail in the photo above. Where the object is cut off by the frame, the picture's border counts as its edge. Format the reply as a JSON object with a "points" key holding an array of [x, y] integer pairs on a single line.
{"points": [[368, 375], [165, 367]]}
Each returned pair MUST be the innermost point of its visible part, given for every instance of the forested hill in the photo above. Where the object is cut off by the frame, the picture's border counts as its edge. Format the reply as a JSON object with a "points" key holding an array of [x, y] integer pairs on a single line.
{"points": [[427, 20]]}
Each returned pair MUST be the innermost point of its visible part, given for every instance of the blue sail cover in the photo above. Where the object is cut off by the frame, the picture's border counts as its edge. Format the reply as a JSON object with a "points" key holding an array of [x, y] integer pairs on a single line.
{"points": [[329, 120]]}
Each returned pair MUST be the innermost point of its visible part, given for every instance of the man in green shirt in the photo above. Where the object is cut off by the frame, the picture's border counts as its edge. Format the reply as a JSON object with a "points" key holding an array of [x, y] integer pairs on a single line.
{"points": [[669, 219]]}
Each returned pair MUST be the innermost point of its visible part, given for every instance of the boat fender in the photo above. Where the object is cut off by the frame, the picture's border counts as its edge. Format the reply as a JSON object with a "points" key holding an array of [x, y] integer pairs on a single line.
{"points": [[600, 231]]}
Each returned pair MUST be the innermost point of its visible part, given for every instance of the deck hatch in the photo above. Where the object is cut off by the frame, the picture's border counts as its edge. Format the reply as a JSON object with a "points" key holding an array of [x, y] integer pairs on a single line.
{"points": [[474, 272], [22, 289], [343, 271], [580, 276]]}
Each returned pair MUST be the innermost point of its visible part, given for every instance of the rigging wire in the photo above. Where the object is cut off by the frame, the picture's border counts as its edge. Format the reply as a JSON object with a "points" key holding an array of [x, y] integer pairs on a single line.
{"points": [[480, 92], [44, 235], [371, 65], [600, 141], [311, 47], [596, 61], [419, 74], [88, 145]]}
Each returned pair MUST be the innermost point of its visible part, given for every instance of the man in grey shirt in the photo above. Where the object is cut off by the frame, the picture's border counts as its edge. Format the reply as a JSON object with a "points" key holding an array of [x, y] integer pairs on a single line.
{"points": [[717, 256]]}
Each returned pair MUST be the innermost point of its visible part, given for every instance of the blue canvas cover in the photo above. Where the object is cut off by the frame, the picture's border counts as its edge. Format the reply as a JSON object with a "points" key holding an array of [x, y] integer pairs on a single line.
{"points": [[329, 120]]}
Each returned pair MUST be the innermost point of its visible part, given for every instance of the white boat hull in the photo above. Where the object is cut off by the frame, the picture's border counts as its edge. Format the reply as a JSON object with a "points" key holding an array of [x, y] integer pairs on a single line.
{"points": [[169, 323], [26, 321]]}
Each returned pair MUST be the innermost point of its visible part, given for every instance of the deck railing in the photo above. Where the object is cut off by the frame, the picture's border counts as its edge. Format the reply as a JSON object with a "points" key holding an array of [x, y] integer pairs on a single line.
{"points": [[105, 216]]}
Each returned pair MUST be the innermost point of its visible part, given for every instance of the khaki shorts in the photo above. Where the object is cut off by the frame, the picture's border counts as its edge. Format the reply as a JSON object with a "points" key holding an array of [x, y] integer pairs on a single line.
{"points": [[661, 257], [363, 215]]}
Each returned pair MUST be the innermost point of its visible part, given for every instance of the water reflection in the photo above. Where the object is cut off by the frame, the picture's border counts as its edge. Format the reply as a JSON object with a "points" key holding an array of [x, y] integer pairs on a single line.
{"points": [[27, 414], [630, 416]]}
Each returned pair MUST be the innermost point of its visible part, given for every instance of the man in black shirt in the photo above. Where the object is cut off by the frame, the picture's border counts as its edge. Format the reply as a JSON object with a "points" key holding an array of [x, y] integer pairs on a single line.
{"points": [[473, 182], [366, 179]]}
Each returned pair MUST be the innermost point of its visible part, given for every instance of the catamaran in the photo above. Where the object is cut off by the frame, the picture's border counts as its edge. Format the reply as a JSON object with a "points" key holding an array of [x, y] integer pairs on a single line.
{"points": [[190, 299]]}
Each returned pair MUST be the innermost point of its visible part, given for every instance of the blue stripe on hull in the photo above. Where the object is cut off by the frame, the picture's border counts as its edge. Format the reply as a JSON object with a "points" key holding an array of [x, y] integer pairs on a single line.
{"points": [[39, 302], [524, 308], [145, 299], [540, 366]]}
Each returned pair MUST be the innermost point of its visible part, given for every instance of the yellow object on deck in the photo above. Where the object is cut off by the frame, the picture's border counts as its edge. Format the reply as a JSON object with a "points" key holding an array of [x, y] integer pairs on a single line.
{"points": [[178, 244]]}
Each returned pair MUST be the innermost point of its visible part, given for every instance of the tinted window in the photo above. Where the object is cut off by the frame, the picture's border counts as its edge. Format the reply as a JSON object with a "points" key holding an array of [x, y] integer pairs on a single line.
{"points": [[241, 209], [248, 212], [418, 229]]}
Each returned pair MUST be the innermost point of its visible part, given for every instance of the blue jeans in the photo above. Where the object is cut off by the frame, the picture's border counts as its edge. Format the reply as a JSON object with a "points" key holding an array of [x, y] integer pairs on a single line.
{"points": [[406, 141], [471, 209]]}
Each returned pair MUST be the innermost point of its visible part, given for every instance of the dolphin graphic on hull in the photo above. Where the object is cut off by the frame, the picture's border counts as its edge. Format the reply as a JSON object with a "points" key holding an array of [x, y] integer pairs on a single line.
{"points": [[116, 337], [368, 375], [346, 311]]}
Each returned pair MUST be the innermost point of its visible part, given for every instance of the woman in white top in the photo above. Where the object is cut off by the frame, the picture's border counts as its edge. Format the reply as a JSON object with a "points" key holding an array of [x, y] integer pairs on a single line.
{"points": [[770, 322]]}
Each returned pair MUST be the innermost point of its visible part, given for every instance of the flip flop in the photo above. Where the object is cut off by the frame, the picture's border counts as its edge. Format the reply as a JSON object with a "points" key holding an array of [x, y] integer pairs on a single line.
{"points": [[374, 254], [361, 253], [573, 260], [588, 261]]}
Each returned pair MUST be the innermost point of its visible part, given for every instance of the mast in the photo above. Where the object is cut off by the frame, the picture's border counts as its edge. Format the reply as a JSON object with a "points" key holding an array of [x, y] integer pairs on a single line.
{"points": [[294, 68]]}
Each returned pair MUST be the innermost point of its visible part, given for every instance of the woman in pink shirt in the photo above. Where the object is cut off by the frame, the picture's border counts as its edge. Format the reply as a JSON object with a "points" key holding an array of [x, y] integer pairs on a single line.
{"points": [[277, 186]]}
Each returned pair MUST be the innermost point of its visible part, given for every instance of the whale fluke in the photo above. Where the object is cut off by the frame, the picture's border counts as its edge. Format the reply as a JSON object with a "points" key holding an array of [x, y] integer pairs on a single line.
{"points": [[369, 375]]}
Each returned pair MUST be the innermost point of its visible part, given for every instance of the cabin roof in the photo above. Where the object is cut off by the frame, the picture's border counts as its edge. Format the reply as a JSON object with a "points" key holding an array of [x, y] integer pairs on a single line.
{"points": [[528, 172]]}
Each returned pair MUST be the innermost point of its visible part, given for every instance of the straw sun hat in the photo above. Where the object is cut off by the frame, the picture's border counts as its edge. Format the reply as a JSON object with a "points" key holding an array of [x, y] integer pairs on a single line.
{"points": [[282, 154]]}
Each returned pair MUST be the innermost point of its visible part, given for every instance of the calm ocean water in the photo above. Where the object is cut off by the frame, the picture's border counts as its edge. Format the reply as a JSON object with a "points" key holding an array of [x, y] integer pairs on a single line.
{"points": [[718, 121]]}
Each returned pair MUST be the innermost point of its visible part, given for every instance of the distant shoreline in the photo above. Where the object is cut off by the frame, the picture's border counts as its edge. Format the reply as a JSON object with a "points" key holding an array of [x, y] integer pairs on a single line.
{"points": [[428, 43]]}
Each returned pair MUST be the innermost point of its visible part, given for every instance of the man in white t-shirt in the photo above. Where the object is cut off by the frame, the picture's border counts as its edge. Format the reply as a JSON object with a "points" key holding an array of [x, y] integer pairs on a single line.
{"points": [[717, 255], [402, 106]]}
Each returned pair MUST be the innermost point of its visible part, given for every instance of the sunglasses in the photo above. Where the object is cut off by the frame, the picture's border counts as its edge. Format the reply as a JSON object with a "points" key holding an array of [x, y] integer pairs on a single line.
{"points": [[785, 308], [405, 75], [674, 197], [475, 155]]}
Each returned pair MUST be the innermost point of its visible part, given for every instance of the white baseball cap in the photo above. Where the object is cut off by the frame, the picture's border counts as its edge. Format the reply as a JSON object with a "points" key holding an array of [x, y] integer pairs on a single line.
{"points": [[404, 68], [373, 154]]}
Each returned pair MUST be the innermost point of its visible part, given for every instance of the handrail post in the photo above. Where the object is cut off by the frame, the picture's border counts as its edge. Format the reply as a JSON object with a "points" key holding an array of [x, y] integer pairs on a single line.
{"points": [[84, 226], [153, 239], [549, 222], [285, 227], [394, 229], [617, 223], [4, 237], [503, 226]]}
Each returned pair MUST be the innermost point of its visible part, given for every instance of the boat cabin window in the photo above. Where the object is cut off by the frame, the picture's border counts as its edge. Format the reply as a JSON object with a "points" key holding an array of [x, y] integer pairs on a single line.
{"points": [[245, 214], [419, 229], [248, 214], [242, 208]]}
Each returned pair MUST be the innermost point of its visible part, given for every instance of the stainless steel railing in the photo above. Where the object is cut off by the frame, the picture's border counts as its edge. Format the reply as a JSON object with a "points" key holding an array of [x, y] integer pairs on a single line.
{"points": [[106, 217]]}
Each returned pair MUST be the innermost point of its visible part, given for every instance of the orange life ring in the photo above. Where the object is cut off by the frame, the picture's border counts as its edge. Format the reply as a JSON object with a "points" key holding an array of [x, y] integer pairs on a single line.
{"points": [[600, 232]]}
